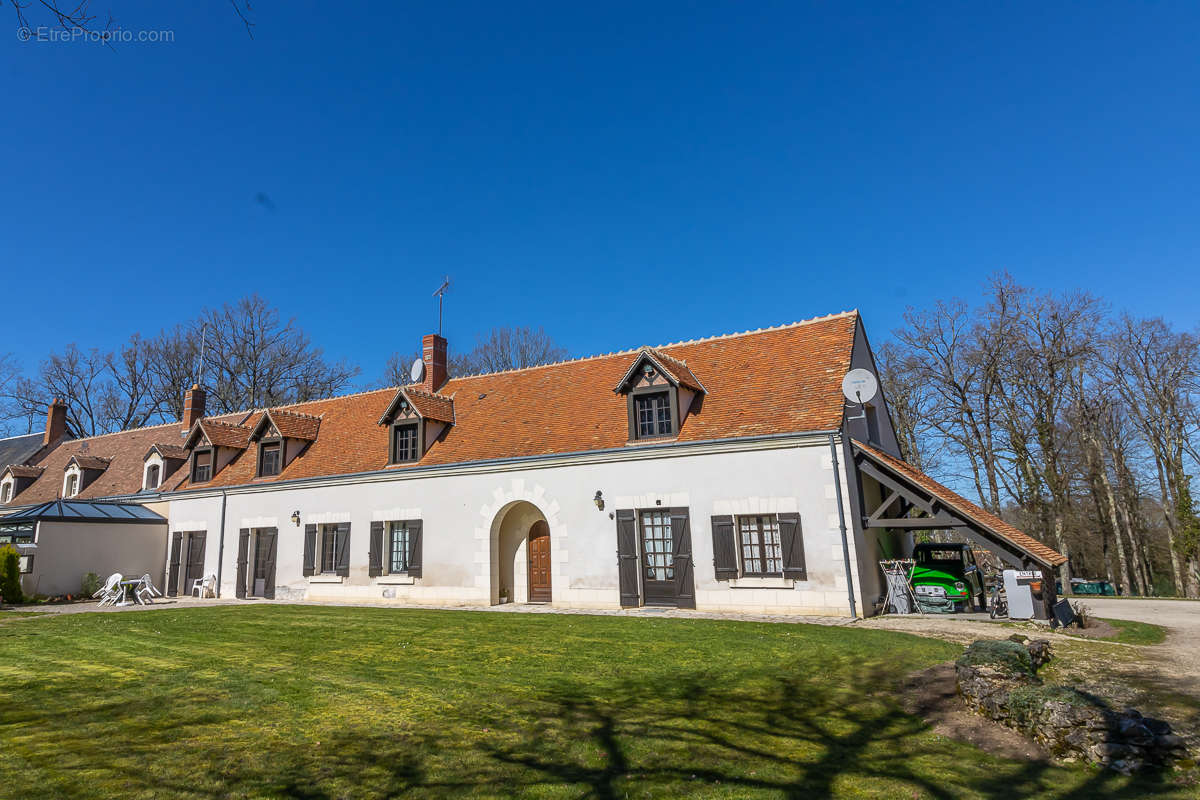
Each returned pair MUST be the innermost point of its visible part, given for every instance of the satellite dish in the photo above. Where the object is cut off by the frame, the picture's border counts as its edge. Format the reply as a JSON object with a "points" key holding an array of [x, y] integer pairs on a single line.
{"points": [[860, 385], [417, 373]]}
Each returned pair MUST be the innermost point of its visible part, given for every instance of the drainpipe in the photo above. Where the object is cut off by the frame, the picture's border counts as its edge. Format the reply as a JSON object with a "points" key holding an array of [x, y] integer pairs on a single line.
{"points": [[221, 549], [837, 487]]}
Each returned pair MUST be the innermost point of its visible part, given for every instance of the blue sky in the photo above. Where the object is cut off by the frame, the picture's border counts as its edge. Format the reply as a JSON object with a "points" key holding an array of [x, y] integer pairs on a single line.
{"points": [[619, 174]]}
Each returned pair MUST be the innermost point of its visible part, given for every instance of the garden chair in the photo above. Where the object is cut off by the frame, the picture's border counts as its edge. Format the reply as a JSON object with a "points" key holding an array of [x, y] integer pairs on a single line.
{"points": [[205, 587], [110, 593], [145, 591]]}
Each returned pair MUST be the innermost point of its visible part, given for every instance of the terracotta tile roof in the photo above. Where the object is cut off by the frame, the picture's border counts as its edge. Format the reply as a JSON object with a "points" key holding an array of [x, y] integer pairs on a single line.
{"points": [[174, 451], [965, 508], [673, 368], [771, 381], [23, 471], [437, 407], [90, 462], [220, 434], [124, 450], [294, 425]]}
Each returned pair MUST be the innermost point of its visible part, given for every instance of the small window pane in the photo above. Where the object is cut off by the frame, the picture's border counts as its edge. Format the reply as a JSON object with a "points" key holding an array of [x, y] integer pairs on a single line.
{"points": [[270, 459], [405, 445], [653, 412], [399, 547], [762, 553]]}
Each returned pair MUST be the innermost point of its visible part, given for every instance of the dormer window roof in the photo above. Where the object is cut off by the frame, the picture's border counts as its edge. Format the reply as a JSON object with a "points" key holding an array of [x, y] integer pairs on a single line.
{"points": [[218, 434], [427, 405], [649, 361], [277, 423], [89, 463]]}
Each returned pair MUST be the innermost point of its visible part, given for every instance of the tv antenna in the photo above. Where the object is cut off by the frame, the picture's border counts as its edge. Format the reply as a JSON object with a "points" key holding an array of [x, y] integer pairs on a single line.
{"points": [[203, 339], [440, 294], [860, 386]]}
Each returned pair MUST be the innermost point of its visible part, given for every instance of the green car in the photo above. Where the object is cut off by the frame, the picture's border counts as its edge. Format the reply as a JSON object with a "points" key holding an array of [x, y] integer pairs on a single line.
{"points": [[946, 578]]}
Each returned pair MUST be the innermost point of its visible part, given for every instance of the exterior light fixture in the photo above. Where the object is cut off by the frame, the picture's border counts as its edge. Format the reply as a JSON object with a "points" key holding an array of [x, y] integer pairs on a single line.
{"points": [[599, 500], [296, 518]]}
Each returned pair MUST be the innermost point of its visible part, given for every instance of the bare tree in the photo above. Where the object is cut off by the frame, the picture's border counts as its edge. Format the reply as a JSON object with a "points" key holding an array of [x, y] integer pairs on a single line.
{"points": [[253, 358]]}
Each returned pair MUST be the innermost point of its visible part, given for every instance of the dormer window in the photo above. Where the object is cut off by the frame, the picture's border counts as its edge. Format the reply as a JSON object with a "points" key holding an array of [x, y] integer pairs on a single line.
{"points": [[269, 456], [416, 419], [202, 461], [659, 392], [6, 492], [153, 476], [72, 486], [405, 443]]}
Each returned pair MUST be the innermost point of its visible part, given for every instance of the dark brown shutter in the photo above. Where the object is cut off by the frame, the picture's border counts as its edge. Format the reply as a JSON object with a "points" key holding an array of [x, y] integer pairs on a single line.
{"points": [[415, 527], [343, 555], [375, 556], [173, 574], [724, 548], [195, 558], [310, 549], [681, 535], [269, 541], [243, 556], [627, 558], [791, 538]]}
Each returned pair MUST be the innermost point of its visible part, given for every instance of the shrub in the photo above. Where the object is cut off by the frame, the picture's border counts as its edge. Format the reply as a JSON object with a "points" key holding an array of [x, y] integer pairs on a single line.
{"points": [[1007, 655], [90, 584], [10, 575]]}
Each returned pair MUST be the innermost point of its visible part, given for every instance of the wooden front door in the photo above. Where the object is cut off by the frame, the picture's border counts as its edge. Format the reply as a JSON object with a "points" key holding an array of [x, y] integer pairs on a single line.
{"points": [[539, 563]]}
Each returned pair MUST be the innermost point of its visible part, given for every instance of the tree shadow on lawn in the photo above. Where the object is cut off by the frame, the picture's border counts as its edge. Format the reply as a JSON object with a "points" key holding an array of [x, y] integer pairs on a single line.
{"points": [[702, 733]]}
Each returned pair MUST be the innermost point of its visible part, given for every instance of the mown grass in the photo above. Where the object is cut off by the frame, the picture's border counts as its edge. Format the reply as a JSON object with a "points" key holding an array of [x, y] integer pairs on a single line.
{"points": [[294, 701]]}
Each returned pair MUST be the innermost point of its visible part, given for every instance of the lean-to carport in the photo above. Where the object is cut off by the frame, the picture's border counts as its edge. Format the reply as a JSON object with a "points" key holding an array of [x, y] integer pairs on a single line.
{"points": [[910, 500]]}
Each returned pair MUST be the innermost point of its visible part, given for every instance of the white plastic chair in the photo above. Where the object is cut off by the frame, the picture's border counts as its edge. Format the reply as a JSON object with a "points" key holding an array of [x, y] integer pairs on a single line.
{"points": [[205, 587], [145, 591], [110, 593]]}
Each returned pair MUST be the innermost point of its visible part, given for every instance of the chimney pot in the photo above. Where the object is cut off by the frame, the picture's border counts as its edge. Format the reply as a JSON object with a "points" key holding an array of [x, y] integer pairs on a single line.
{"points": [[433, 352], [193, 406]]}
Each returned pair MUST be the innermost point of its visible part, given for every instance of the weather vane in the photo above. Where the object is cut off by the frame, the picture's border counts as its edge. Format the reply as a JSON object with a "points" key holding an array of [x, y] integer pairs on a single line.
{"points": [[440, 294]]}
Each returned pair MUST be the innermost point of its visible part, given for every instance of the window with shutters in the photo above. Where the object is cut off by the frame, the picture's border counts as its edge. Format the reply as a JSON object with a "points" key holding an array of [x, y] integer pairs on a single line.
{"points": [[331, 542], [761, 551], [398, 547], [72, 487], [152, 473], [202, 461], [6, 492]]}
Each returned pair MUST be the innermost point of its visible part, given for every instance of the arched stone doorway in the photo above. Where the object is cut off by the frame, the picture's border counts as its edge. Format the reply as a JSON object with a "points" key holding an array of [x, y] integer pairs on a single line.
{"points": [[514, 560]]}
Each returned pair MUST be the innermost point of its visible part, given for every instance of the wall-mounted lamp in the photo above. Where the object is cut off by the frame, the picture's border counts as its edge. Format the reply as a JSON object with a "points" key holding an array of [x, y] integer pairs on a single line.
{"points": [[599, 500], [296, 518]]}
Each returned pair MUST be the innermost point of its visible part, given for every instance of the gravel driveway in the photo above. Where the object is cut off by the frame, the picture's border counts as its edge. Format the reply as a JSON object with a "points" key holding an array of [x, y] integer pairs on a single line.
{"points": [[1181, 618]]}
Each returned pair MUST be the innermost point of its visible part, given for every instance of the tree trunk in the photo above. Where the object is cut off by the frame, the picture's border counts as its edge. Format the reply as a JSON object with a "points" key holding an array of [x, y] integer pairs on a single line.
{"points": [[1116, 527], [1168, 509], [1061, 542]]}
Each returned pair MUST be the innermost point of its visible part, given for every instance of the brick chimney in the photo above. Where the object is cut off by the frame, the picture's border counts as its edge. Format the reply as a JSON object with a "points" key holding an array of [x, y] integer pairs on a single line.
{"points": [[433, 351], [56, 422], [193, 406]]}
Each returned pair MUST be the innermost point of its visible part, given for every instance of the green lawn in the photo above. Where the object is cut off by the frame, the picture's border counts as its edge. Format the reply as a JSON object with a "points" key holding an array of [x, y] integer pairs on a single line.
{"points": [[1131, 632], [295, 701]]}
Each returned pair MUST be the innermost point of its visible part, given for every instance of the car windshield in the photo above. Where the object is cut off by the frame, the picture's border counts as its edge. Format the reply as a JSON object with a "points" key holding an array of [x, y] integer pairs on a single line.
{"points": [[940, 558]]}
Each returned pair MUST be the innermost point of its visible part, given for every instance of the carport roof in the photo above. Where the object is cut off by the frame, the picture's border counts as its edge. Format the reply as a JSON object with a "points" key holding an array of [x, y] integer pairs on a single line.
{"points": [[75, 511], [985, 523]]}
